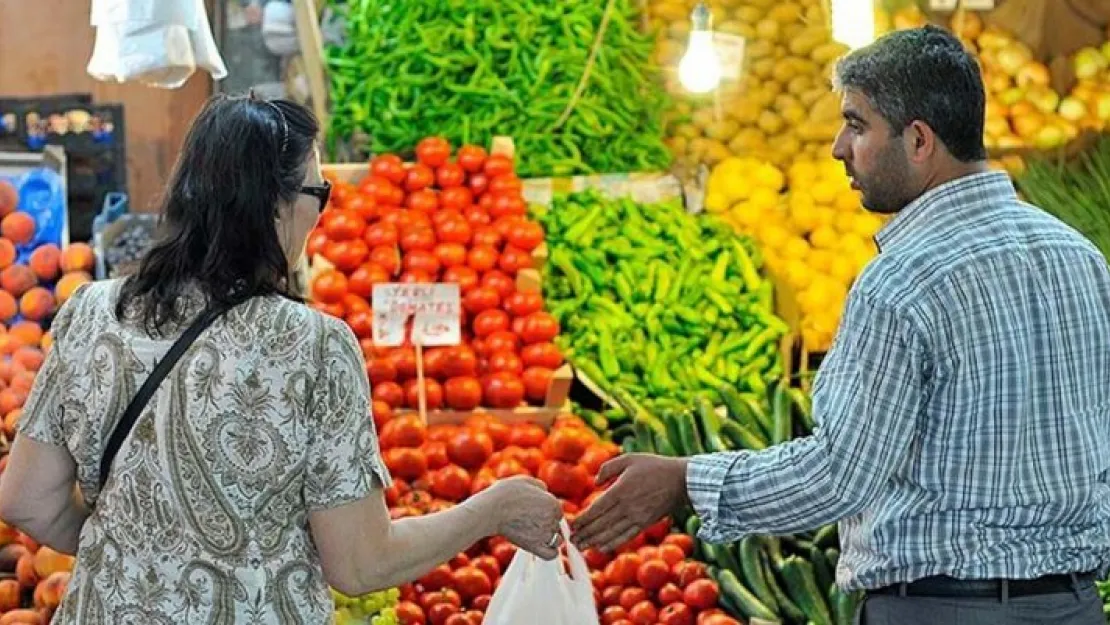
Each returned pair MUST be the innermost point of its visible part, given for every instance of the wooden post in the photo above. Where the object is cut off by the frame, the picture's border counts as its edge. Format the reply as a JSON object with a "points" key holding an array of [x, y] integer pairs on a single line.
{"points": [[312, 51]]}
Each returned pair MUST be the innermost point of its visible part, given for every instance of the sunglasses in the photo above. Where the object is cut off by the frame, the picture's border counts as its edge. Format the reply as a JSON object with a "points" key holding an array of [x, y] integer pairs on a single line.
{"points": [[319, 191]]}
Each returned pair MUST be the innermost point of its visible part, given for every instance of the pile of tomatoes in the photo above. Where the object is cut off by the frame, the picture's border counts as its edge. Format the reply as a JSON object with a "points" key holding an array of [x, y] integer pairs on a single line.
{"points": [[649, 581], [460, 220]]}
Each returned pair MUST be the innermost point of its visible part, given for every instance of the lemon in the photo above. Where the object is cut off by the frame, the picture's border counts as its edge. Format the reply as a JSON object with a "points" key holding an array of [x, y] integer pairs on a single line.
{"points": [[769, 176], [832, 169], [846, 223], [804, 217], [861, 259], [746, 215], [867, 224], [797, 274], [848, 201], [820, 260], [802, 172], [843, 269], [772, 235], [796, 248], [820, 296], [824, 238], [824, 191], [826, 216], [763, 199]]}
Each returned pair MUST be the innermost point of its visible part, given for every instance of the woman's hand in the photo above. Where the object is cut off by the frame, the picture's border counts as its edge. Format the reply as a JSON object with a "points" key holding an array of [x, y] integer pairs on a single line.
{"points": [[528, 515]]}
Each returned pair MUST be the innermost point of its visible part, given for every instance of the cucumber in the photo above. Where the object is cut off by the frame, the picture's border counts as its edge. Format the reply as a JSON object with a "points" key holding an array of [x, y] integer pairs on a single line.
{"points": [[845, 605], [710, 425], [745, 410], [645, 442], [802, 587], [833, 556], [786, 606], [803, 406], [827, 536], [781, 417], [773, 547], [822, 572], [674, 433], [742, 437], [748, 551], [688, 431], [749, 605]]}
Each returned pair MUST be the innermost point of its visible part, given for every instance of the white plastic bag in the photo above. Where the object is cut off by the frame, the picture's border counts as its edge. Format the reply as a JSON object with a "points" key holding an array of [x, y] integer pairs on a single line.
{"points": [[538, 592]]}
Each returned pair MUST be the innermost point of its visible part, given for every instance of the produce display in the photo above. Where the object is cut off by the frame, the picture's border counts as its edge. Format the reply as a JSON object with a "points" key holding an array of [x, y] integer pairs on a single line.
{"points": [[34, 280], [656, 301], [379, 608], [1104, 592], [780, 108], [457, 219], [571, 82]]}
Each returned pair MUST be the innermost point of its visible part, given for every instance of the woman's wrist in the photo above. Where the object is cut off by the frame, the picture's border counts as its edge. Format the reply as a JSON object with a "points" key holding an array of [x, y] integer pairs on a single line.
{"points": [[484, 509]]}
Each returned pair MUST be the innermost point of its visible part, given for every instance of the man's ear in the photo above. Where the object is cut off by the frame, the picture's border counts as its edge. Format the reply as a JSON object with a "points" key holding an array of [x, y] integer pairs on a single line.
{"points": [[921, 141]]}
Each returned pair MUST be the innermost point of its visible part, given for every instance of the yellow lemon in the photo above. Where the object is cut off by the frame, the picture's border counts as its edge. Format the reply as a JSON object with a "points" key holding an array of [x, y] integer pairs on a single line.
{"points": [[867, 224], [716, 202], [824, 192], [846, 222], [796, 248], [843, 269], [848, 201], [824, 238], [773, 236], [769, 176], [804, 216], [797, 274], [832, 169], [825, 216], [745, 215], [861, 259], [802, 172], [820, 260], [763, 199]]}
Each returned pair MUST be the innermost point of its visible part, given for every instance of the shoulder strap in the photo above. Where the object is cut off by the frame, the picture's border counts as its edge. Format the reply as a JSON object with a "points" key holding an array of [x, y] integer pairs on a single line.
{"points": [[142, 398]]}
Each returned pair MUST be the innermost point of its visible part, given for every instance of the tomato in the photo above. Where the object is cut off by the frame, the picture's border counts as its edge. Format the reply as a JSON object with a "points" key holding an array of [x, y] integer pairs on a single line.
{"points": [[499, 282], [333, 309], [526, 435], [416, 276], [408, 613], [504, 360], [433, 394], [471, 582], [461, 275], [486, 202], [404, 359], [439, 613], [454, 231], [539, 327], [594, 457], [505, 205], [418, 239], [462, 393], [379, 189], [382, 414], [480, 300], [622, 570], [716, 616], [566, 480], [643, 613], [631, 596], [361, 323], [380, 233], [610, 595], [502, 341], [317, 239], [451, 255], [476, 216], [682, 541], [612, 614], [406, 431], [489, 321], [648, 552], [347, 254], [424, 201], [470, 449], [387, 257], [486, 235], [671, 554], [471, 158], [543, 354], [455, 198], [388, 166], [497, 430], [669, 594], [505, 223], [522, 304], [412, 220], [653, 574], [482, 258], [405, 462], [460, 361], [482, 602], [421, 260], [329, 286], [433, 151], [502, 390], [459, 618], [489, 566], [444, 577], [450, 175], [418, 177], [361, 282], [505, 184], [676, 614], [502, 551], [688, 572], [477, 183], [566, 445], [701, 594], [451, 482], [536, 382], [513, 259], [435, 454], [498, 165], [526, 235]]}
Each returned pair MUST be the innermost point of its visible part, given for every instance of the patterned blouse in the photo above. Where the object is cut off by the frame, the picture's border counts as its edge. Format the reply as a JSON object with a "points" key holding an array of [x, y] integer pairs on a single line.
{"points": [[204, 519]]}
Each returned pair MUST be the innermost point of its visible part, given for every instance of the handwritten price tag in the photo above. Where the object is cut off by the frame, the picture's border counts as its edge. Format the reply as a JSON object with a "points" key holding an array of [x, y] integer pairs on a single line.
{"points": [[433, 308], [730, 51]]}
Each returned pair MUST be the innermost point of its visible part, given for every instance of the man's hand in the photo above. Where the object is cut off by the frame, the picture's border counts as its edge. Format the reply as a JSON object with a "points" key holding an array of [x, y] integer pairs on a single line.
{"points": [[647, 488]]}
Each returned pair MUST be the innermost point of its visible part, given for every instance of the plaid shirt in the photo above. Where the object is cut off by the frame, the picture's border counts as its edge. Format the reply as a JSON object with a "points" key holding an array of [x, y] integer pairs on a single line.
{"points": [[963, 412]]}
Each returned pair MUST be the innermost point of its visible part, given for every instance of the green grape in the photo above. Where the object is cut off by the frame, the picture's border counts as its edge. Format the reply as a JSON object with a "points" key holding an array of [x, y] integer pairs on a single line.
{"points": [[387, 617]]}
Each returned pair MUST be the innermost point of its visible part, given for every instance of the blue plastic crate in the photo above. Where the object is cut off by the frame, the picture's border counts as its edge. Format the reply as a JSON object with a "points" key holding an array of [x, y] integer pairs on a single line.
{"points": [[42, 195]]}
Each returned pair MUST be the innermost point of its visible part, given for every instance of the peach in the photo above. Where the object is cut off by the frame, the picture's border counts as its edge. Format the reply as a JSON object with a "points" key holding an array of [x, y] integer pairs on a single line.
{"points": [[48, 562], [11, 422], [37, 303], [29, 357], [22, 381], [17, 279], [45, 261], [9, 197], [69, 283], [7, 253], [25, 571], [18, 227], [49, 592], [10, 399], [11, 553], [8, 534], [9, 307], [22, 617], [9, 595], [46, 341], [78, 257], [31, 544], [26, 332]]}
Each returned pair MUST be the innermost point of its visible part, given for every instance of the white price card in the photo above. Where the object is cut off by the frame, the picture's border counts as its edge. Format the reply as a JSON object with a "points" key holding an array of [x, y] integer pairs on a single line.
{"points": [[434, 309], [977, 5], [943, 5], [730, 52]]}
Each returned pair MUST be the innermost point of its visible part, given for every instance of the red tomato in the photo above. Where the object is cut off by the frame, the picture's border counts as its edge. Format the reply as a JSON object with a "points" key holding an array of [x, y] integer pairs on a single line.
{"points": [[631, 596], [499, 282], [421, 260], [622, 570], [482, 258], [361, 282], [505, 205], [643, 613], [418, 239], [388, 166], [424, 201], [676, 614], [542, 354], [439, 613], [418, 177], [455, 198], [505, 360], [610, 595], [513, 259], [480, 300], [487, 235], [433, 151], [505, 184], [453, 484], [716, 616], [387, 257], [461, 275], [526, 435], [329, 286], [477, 183], [469, 449], [381, 370], [502, 390], [566, 445], [526, 235], [539, 327], [333, 309], [536, 382], [658, 531], [653, 574], [669, 594], [416, 276], [498, 165], [489, 321], [489, 566], [506, 223], [405, 462], [481, 603], [502, 341], [381, 190], [566, 480], [686, 573], [460, 362], [435, 453], [404, 359], [317, 239], [594, 457], [613, 614], [522, 304], [476, 216], [671, 554], [433, 394], [408, 613], [503, 552], [462, 393], [596, 559], [361, 322], [451, 254], [450, 175], [454, 231], [346, 255], [701, 594], [471, 158], [444, 594], [682, 541]]}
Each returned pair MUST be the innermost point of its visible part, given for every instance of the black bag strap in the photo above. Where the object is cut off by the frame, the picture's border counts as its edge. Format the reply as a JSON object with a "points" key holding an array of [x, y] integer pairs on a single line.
{"points": [[142, 398]]}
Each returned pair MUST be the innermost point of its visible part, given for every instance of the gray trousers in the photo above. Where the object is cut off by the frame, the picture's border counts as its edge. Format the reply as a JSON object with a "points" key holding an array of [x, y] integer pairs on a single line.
{"points": [[1082, 607]]}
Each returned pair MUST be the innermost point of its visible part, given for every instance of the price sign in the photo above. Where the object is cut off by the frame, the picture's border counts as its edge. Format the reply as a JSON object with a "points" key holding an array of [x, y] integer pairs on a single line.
{"points": [[943, 5], [433, 308], [730, 51]]}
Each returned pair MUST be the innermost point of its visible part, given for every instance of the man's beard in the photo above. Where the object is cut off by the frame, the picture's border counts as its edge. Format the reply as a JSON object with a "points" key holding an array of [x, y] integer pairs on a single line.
{"points": [[887, 191]]}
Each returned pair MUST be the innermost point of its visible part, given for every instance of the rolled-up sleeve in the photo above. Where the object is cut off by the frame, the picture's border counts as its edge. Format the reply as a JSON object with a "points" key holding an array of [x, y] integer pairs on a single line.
{"points": [[867, 399]]}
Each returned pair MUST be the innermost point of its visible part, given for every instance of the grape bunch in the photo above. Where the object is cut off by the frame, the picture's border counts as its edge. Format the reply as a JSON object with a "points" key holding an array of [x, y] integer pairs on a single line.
{"points": [[129, 245], [375, 608]]}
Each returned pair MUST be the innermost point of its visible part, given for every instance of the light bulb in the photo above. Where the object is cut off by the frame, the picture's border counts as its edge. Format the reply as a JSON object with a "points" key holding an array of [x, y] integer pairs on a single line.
{"points": [[853, 22], [699, 71]]}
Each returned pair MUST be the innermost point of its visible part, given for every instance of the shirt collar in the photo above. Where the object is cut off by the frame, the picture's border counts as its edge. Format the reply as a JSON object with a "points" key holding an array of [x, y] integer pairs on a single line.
{"points": [[963, 191]]}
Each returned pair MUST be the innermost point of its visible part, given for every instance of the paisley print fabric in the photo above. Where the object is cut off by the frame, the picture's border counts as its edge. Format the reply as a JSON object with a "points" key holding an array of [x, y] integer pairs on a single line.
{"points": [[204, 518]]}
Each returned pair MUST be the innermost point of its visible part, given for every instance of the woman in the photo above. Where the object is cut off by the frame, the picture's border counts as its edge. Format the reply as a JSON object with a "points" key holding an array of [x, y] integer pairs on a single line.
{"points": [[253, 478]]}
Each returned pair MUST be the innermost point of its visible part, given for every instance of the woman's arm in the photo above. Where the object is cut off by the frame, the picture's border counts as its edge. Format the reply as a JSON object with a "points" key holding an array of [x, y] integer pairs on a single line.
{"points": [[39, 495], [362, 550]]}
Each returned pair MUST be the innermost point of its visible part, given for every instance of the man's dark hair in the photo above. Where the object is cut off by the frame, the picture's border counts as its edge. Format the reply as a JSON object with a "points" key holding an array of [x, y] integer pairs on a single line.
{"points": [[240, 157], [921, 74]]}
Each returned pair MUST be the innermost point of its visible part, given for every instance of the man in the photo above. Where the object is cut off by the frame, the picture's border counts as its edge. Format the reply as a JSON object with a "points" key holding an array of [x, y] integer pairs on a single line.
{"points": [[963, 437]]}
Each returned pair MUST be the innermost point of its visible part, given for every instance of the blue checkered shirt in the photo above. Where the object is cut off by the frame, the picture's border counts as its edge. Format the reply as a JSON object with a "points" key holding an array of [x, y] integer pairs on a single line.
{"points": [[963, 413]]}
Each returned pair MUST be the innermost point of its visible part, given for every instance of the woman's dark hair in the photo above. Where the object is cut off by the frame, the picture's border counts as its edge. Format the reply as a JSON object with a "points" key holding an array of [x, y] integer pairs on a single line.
{"points": [[240, 157]]}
